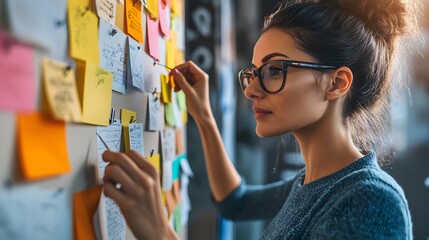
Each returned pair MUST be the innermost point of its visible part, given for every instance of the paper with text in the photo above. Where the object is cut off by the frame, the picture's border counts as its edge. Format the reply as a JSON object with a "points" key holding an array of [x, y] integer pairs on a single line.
{"points": [[111, 135], [83, 35], [133, 13], [154, 114], [127, 117], [95, 93], [168, 144], [61, 91], [106, 10], [113, 54], [136, 137], [135, 72], [109, 223], [42, 146], [18, 79]]}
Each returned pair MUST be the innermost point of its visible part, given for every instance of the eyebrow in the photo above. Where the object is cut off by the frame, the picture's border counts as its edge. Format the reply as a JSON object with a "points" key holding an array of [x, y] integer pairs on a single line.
{"points": [[271, 55]]}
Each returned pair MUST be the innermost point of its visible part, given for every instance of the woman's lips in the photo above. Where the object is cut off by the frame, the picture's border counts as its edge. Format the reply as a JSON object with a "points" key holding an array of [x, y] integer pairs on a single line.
{"points": [[260, 113]]}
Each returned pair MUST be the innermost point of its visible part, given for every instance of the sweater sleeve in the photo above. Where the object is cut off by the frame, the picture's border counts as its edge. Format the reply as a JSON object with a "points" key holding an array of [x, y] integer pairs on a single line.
{"points": [[251, 202], [368, 211]]}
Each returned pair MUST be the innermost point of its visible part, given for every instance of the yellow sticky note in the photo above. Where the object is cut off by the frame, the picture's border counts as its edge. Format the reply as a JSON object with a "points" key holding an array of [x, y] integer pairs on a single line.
{"points": [[127, 117], [119, 20], [95, 93], [185, 117], [165, 89], [176, 7], [133, 13], [42, 146], [85, 204], [170, 53], [60, 89], [155, 160], [180, 57], [83, 32], [152, 8]]}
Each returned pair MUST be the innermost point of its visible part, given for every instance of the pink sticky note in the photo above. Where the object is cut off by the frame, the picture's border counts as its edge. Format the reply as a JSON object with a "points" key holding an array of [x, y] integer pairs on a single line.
{"points": [[153, 37], [17, 76], [163, 18]]}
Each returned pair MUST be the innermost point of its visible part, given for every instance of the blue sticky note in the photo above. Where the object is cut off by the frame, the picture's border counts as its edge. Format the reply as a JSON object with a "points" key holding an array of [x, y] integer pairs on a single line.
{"points": [[176, 166]]}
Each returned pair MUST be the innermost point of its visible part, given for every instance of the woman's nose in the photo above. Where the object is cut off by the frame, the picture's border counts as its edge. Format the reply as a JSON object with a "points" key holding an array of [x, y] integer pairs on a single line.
{"points": [[254, 90]]}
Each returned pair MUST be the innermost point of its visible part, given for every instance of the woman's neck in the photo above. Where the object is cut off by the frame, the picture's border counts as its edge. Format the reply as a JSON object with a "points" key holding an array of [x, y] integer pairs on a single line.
{"points": [[327, 147]]}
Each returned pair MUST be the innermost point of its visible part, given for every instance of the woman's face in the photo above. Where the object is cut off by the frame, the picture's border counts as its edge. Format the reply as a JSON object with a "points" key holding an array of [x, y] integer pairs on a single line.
{"points": [[300, 104]]}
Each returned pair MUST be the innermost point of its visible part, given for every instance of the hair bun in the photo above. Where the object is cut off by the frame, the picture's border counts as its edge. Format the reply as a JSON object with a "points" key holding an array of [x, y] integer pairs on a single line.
{"points": [[386, 18]]}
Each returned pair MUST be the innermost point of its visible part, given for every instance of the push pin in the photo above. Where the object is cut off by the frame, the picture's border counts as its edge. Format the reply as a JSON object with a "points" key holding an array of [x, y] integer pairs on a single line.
{"points": [[151, 152], [114, 32], [85, 11]]}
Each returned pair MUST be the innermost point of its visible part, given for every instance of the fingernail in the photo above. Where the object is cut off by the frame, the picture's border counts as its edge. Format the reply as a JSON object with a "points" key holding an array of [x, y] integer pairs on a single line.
{"points": [[175, 71]]}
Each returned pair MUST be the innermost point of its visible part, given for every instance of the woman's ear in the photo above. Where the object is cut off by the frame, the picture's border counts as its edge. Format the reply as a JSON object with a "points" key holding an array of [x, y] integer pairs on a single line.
{"points": [[339, 83]]}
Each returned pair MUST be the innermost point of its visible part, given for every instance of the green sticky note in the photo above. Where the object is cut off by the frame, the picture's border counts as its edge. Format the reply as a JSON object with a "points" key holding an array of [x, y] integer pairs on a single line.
{"points": [[181, 100], [178, 218], [169, 114]]}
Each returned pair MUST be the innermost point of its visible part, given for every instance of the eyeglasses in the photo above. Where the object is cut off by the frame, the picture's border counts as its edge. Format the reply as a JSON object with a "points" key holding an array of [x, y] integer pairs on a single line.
{"points": [[272, 74]]}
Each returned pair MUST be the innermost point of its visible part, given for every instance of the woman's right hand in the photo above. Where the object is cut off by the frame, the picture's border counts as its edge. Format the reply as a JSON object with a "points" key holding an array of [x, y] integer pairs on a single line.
{"points": [[195, 84]]}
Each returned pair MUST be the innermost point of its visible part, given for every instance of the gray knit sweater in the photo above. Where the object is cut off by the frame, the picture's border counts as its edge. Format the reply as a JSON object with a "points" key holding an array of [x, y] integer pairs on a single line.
{"points": [[360, 201]]}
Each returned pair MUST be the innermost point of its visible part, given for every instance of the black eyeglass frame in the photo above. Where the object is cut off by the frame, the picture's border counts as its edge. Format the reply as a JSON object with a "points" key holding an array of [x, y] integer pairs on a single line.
{"points": [[286, 63]]}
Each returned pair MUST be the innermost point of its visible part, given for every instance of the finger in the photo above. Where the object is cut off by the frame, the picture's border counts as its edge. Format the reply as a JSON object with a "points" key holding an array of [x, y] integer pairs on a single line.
{"points": [[125, 162], [119, 197], [191, 68], [181, 81], [143, 164], [115, 174]]}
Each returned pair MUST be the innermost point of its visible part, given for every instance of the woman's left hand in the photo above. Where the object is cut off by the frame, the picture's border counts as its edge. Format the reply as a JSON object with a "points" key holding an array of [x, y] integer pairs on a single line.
{"points": [[139, 197]]}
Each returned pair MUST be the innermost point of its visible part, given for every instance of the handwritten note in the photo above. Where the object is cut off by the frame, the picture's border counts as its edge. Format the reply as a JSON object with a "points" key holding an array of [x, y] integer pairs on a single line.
{"points": [[113, 54], [164, 18], [135, 74], [168, 144], [51, 31], [18, 79], [61, 92], [136, 137], [165, 89], [42, 146], [151, 78], [153, 37], [134, 19], [111, 135], [28, 212], [108, 220], [155, 160], [152, 8], [106, 10], [85, 204], [154, 113], [95, 93], [167, 175], [127, 117], [83, 36]]}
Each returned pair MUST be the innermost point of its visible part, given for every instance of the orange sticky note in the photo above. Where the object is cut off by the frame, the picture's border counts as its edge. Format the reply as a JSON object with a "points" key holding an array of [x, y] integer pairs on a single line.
{"points": [[85, 204], [42, 146], [173, 197], [133, 11], [180, 147], [153, 37]]}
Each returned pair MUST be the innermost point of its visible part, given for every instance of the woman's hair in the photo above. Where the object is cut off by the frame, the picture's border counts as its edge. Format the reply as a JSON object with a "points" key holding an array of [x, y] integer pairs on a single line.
{"points": [[359, 34]]}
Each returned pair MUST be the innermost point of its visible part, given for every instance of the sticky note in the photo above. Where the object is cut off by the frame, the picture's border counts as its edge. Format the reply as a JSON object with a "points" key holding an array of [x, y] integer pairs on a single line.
{"points": [[18, 79], [95, 93], [180, 146], [127, 117], [181, 101], [152, 8], [180, 57], [42, 146], [167, 175], [136, 137], [85, 204], [168, 144], [134, 19], [135, 72], [155, 160], [176, 168], [169, 114], [120, 16], [178, 218], [164, 18], [170, 54], [109, 223], [154, 113], [106, 10], [153, 37], [176, 112], [60, 90], [113, 52], [173, 197], [51, 31], [175, 7], [165, 89], [83, 35], [109, 136]]}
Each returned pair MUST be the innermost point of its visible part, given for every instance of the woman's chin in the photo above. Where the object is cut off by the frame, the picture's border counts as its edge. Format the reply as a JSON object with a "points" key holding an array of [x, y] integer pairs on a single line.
{"points": [[265, 132]]}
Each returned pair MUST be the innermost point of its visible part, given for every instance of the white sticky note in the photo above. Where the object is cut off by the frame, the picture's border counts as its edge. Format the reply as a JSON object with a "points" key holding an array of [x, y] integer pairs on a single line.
{"points": [[135, 72], [176, 111], [136, 137], [41, 23], [28, 212], [154, 114], [168, 144], [106, 10], [108, 221], [151, 74], [112, 43], [167, 175], [110, 136]]}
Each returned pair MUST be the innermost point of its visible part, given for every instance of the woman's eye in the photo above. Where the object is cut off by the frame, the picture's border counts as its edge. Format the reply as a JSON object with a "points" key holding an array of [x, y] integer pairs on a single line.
{"points": [[275, 71]]}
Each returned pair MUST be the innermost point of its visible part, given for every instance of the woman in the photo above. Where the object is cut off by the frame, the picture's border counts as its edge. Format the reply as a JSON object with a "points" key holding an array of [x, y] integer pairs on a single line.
{"points": [[321, 70]]}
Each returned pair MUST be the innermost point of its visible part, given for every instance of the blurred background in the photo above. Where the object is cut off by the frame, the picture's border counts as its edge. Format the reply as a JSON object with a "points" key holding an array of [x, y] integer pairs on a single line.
{"points": [[220, 36]]}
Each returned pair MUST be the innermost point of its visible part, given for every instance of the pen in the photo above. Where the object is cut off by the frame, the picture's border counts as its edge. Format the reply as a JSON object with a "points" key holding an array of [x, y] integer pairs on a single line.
{"points": [[104, 143]]}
